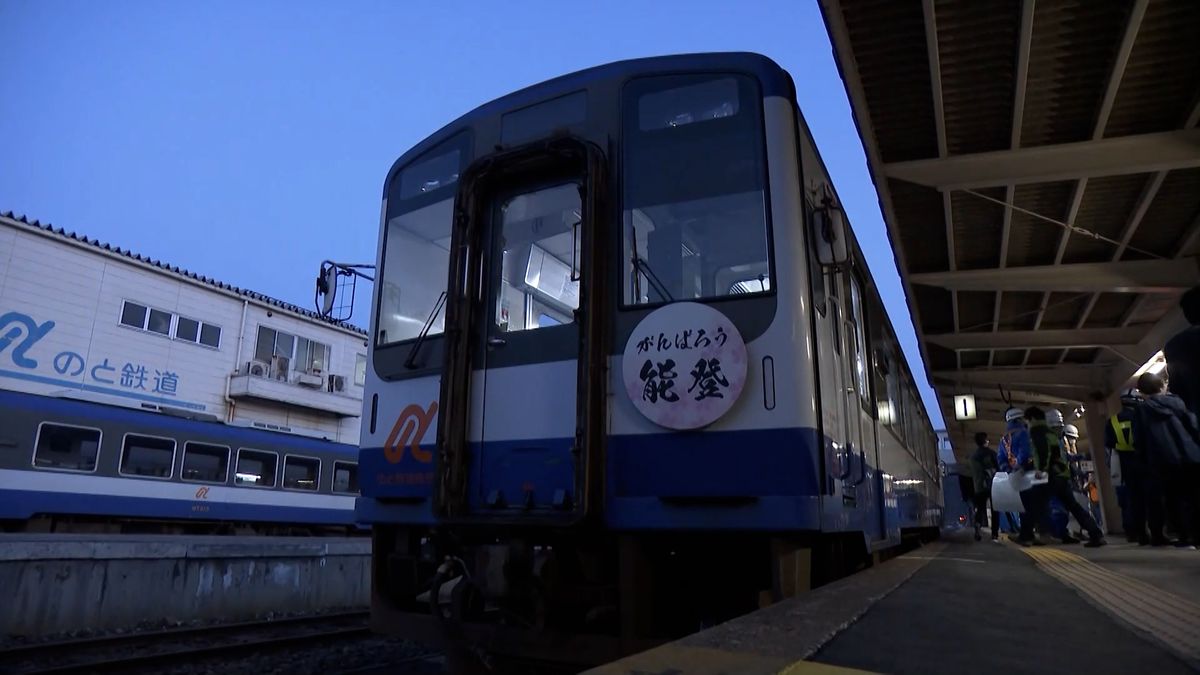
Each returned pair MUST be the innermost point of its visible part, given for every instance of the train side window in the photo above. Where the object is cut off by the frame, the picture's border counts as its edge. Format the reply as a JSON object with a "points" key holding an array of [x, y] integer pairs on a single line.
{"points": [[204, 463], [66, 448], [301, 473], [255, 468], [345, 477], [147, 456]]}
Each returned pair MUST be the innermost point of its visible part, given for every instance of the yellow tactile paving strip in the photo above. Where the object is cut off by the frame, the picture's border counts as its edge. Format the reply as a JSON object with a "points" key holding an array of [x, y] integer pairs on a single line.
{"points": [[1166, 617], [676, 659]]}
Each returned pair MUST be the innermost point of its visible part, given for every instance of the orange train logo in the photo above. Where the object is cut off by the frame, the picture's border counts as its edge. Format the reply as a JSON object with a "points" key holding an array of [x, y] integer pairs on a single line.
{"points": [[410, 428], [202, 493]]}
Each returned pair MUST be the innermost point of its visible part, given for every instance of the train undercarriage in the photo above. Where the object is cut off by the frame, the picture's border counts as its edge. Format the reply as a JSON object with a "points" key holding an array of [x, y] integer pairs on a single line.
{"points": [[583, 599]]}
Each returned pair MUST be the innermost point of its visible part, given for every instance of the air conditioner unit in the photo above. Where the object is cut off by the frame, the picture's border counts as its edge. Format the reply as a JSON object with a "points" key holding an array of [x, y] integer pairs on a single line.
{"points": [[280, 366], [337, 383], [309, 380], [257, 368]]}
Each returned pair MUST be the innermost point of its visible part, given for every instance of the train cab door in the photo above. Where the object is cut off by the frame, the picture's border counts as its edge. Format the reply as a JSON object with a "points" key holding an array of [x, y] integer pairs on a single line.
{"points": [[843, 379], [868, 479], [527, 389], [521, 403], [854, 457]]}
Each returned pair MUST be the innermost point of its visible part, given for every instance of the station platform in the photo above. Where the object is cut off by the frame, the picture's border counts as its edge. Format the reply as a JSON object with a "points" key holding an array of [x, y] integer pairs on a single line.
{"points": [[57, 584], [960, 606]]}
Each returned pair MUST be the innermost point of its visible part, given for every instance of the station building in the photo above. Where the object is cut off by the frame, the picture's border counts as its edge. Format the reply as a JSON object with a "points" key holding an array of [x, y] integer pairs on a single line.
{"points": [[89, 320]]}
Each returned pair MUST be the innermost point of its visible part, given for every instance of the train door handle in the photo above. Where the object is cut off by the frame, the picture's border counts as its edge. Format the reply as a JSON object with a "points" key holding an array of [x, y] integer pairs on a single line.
{"points": [[862, 468], [848, 452], [496, 341]]}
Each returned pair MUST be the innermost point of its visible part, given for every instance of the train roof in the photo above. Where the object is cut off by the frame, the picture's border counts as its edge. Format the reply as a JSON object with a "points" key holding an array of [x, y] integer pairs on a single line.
{"points": [[774, 79]]}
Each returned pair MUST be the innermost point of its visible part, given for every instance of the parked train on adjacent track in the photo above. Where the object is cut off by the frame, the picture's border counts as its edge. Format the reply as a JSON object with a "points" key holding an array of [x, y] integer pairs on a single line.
{"points": [[629, 374], [80, 466]]}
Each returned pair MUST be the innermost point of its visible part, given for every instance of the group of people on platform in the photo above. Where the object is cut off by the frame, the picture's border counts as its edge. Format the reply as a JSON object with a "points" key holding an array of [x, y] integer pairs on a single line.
{"points": [[1153, 450]]}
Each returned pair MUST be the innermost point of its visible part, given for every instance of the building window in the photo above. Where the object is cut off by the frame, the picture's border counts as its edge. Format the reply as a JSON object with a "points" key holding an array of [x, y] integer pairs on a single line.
{"points": [[205, 463], [255, 468], [133, 315], [301, 354], [210, 335], [345, 477], [191, 330], [66, 448], [301, 473], [311, 356], [158, 321], [187, 329], [147, 456], [360, 369]]}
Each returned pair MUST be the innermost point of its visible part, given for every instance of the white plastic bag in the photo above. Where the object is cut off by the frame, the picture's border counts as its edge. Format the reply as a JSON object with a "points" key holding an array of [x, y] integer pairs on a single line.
{"points": [[1005, 495], [1023, 480]]}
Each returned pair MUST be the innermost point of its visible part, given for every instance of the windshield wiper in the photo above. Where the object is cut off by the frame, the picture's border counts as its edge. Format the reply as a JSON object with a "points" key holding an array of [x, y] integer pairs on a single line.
{"points": [[659, 287], [411, 361]]}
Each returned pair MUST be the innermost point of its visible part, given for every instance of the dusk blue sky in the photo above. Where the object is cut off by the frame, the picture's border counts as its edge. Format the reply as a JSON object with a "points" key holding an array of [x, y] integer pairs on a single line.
{"points": [[248, 141]]}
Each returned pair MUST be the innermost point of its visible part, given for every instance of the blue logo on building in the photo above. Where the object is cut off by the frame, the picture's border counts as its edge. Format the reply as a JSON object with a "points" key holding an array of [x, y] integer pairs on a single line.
{"points": [[33, 333], [20, 332]]}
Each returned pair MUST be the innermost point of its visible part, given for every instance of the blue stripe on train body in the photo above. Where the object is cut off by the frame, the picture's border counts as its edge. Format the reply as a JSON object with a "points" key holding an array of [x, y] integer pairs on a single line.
{"points": [[23, 504], [106, 495]]}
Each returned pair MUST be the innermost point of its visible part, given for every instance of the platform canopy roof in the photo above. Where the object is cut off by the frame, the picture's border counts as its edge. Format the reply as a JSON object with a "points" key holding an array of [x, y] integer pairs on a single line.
{"points": [[1038, 167]]}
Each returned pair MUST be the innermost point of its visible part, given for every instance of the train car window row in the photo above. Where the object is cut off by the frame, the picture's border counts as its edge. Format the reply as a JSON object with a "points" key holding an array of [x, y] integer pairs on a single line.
{"points": [[147, 456], [301, 473], [204, 463], [256, 468], [66, 447], [345, 477]]}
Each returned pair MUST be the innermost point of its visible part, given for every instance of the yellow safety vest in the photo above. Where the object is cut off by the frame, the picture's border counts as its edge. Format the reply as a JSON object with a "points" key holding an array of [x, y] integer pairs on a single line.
{"points": [[1123, 430]]}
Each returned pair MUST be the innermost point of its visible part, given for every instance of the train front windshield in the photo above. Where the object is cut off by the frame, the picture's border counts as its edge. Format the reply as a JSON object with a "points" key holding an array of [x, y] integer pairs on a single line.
{"points": [[694, 213], [420, 210], [695, 217]]}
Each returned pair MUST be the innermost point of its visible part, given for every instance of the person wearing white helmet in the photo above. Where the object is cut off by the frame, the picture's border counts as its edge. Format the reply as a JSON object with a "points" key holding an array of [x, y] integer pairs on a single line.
{"points": [[1048, 457], [1082, 482], [1016, 455]]}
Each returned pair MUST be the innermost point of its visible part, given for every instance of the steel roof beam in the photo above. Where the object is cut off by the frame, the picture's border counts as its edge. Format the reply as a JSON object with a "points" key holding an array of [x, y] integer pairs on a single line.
{"points": [[1039, 339], [939, 119], [1024, 44], [1130, 276], [1143, 153], [1064, 375]]}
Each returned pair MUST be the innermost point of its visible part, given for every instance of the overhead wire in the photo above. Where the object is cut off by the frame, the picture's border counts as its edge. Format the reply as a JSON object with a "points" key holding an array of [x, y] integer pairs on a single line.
{"points": [[1067, 226]]}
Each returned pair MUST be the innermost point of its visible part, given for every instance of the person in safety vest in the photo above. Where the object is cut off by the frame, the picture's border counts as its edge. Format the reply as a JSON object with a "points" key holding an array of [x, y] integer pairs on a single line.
{"points": [[1006, 459], [1048, 457], [1014, 442], [1016, 456], [1143, 495]]}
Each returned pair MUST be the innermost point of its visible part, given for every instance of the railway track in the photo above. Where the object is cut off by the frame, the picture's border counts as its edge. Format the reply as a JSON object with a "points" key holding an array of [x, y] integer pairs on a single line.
{"points": [[166, 648]]}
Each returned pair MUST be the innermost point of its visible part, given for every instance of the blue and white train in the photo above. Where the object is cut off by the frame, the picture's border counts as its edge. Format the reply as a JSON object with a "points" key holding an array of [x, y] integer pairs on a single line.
{"points": [[79, 466], [629, 374]]}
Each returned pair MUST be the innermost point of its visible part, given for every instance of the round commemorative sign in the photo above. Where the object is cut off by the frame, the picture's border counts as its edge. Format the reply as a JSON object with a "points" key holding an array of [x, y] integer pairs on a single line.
{"points": [[684, 365]]}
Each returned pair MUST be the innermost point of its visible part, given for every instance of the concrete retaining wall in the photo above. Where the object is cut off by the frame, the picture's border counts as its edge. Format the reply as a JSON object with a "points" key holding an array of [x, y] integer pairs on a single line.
{"points": [[53, 584]]}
